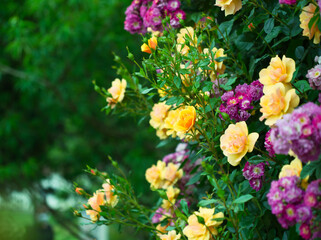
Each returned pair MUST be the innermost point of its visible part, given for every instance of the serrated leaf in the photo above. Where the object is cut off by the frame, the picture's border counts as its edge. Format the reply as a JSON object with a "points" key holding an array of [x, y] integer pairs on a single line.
{"points": [[243, 199]]}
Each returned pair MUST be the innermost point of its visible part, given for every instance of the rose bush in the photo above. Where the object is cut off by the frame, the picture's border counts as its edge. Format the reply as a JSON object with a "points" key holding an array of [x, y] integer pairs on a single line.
{"points": [[210, 85]]}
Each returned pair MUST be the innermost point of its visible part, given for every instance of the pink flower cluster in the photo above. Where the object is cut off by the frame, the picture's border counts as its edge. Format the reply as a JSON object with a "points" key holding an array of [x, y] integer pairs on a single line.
{"points": [[292, 205], [237, 103], [142, 14], [255, 174], [300, 132]]}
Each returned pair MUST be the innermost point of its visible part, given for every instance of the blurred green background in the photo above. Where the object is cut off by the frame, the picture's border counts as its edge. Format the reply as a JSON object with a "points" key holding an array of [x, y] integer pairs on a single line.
{"points": [[51, 125]]}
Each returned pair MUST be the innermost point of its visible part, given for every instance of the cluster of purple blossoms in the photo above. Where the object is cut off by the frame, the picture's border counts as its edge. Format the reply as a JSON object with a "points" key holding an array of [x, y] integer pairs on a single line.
{"points": [[300, 132], [178, 157], [237, 103], [292, 205], [255, 174], [160, 214], [143, 14], [314, 76], [268, 144]]}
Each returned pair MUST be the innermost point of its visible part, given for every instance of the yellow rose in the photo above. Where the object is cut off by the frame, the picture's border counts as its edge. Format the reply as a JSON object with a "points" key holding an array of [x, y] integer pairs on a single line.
{"points": [[158, 115], [170, 121], [154, 175], [305, 17], [278, 71], [111, 197], [293, 169], [185, 122], [172, 194], [95, 202], [277, 100], [197, 231], [236, 142], [182, 40], [229, 6], [171, 174], [171, 235], [117, 92]]}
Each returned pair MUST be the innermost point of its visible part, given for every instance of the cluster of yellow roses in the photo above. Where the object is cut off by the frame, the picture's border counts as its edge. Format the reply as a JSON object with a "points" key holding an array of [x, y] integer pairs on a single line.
{"points": [[176, 122], [279, 97], [105, 196], [164, 176]]}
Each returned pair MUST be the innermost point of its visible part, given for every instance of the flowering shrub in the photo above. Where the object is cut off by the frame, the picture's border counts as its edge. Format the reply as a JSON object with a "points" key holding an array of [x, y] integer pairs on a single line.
{"points": [[238, 88]]}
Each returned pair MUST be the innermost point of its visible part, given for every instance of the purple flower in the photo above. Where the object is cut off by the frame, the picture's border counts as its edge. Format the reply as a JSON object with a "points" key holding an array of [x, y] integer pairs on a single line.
{"points": [[274, 196], [290, 212], [277, 208], [303, 213], [216, 86], [299, 131], [226, 96], [314, 76], [310, 199], [293, 195], [256, 90], [256, 183], [257, 170], [288, 182], [173, 5]]}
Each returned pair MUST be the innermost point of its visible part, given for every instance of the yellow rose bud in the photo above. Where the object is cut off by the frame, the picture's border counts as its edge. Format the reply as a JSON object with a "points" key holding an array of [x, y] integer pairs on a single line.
{"points": [[236, 142]]}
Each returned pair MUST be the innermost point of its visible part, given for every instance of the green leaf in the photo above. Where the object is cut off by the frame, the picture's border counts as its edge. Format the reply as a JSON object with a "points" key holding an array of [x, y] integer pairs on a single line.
{"points": [[309, 169], [313, 20], [269, 25], [184, 206], [204, 203], [302, 85], [162, 193], [275, 32], [225, 28], [194, 179], [299, 52], [243, 199], [227, 86], [177, 81], [171, 101], [147, 90], [200, 219]]}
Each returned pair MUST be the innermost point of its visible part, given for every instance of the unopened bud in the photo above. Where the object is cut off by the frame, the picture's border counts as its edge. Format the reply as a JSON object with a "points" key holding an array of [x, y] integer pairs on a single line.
{"points": [[251, 26], [85, 206], [92, 171], [79, 190]]}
